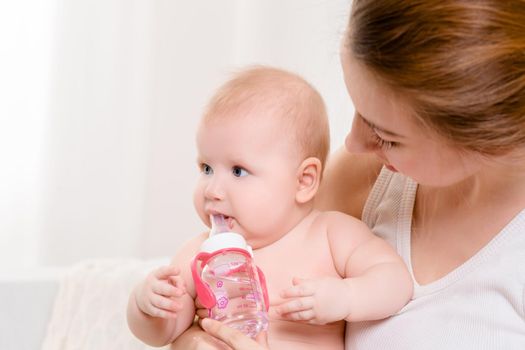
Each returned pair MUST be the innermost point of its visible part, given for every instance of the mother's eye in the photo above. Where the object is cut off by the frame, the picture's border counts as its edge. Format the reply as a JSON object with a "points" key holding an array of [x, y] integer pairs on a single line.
{"points": [[382, 143]]}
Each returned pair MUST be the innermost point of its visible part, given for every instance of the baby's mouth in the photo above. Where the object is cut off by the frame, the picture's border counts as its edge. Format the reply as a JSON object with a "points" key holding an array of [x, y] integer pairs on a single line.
{"points": [[229, 221], [222, 222]]}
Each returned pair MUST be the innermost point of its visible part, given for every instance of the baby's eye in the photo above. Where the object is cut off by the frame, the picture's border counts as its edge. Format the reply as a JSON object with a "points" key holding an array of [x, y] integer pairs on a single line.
{"points": [[206, 169], [239, 172]]}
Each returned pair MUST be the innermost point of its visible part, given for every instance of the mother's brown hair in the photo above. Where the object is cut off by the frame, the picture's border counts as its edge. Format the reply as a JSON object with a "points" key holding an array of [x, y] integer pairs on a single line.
{"points": [[460, 64]]}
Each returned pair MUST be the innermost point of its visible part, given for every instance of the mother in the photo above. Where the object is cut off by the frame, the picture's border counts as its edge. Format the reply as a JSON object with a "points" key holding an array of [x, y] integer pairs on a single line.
{"points": [[435, 164]]}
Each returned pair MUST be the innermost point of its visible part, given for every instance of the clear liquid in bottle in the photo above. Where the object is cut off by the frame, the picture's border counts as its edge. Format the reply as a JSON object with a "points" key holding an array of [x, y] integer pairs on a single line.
{"points": [[236, 284]]}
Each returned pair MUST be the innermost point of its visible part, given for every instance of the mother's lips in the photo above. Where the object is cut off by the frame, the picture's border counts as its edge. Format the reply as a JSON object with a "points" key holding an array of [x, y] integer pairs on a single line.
{"points": [[391, 168]]}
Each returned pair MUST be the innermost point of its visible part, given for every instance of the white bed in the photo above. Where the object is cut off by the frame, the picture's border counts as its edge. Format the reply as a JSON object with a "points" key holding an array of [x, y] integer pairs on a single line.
{"points": [[81, 307], [26, 300]]}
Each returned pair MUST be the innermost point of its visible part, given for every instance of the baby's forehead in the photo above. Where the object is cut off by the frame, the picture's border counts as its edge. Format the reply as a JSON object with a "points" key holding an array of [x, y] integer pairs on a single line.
{"points": [[249, 136], [255, 111], [258, 121]]}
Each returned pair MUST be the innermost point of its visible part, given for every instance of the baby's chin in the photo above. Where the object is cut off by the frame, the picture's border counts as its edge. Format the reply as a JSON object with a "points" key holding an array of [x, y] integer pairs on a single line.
{"points": [[260, 241], [254, 239]]}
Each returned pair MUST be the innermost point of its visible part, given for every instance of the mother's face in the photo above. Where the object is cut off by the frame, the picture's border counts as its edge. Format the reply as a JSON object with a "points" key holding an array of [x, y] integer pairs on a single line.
{"points": [[385, 126]]}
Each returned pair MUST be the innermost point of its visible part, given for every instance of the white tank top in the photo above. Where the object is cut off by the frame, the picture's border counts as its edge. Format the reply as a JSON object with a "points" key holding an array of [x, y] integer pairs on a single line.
{"points": [[479, 305]]}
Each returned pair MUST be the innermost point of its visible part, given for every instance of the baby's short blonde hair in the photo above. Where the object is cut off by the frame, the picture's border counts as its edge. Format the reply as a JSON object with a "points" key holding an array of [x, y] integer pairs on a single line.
{"points": [[282, 94]]}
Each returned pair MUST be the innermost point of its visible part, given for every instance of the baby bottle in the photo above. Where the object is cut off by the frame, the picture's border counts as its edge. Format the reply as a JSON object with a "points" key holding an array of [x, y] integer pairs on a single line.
{"points": [[227, 281]]}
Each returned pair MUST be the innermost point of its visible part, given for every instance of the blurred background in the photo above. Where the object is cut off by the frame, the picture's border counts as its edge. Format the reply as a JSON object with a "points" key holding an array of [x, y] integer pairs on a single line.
{"points": [[99, 101]]}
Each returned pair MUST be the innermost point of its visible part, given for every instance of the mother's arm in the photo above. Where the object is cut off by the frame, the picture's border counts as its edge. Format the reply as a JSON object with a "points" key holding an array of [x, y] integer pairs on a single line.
{"points": [[347, 181]]}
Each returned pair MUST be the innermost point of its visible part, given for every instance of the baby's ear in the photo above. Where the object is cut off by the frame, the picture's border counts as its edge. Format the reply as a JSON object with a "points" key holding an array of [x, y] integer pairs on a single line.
{"points": [[308, 178]]}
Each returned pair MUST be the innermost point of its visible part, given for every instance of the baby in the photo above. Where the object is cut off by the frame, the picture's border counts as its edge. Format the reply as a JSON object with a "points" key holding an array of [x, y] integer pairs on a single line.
{"points": [[262, 144]]}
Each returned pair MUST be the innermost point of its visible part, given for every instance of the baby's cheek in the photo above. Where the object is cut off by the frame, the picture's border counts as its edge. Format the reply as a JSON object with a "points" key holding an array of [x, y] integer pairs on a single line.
{"points": [[198, 203]]}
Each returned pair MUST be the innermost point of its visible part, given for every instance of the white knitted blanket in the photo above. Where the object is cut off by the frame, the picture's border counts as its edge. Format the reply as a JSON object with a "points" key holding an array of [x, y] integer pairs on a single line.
{"points": [[89, 312]]}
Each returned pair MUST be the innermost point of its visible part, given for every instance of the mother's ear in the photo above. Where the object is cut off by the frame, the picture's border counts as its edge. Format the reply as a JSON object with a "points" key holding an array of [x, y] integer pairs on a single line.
{"points": [[308, 179]]}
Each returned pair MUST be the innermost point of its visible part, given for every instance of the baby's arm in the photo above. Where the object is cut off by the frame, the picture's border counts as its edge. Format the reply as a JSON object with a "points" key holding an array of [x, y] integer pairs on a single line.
{"points": [[161, 307], [376, 282]]}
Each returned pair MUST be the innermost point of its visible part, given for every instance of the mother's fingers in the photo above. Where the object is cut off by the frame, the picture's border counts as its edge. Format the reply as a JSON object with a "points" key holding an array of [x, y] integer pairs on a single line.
{"points": [[203, 313], [235, 339], [262, 339], [198, 303]]}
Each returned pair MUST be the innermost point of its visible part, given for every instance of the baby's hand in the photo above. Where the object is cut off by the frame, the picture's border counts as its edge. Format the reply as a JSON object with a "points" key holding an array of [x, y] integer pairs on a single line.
{"points": [[316, 301], [158, 294]]}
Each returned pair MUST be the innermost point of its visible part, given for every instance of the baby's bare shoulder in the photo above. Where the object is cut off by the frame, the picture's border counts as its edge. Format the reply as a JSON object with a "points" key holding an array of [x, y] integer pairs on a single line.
{"points": [[343, 229], [336, 221]]}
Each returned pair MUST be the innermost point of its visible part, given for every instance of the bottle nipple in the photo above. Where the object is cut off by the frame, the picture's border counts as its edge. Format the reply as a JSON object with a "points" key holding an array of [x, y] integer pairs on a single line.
{"points": [[219, 224], [221, 236]]}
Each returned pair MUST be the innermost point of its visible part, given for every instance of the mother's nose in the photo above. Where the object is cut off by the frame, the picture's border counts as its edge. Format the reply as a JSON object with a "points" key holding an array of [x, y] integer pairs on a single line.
{"points": [[358, 140]]}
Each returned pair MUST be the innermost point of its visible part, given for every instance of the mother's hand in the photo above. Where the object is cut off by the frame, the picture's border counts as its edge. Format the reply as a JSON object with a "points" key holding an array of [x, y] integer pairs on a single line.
{"points": [[194, 338], [235, 339]]}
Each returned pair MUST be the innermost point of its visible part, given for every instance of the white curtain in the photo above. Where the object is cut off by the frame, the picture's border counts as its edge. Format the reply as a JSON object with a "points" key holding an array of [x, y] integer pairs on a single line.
{"points": [[102, 101], [25, 57]]}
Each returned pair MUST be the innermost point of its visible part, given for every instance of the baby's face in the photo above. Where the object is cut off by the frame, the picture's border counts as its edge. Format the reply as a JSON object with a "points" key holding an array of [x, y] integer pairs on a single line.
{"points": [[247, 173]]}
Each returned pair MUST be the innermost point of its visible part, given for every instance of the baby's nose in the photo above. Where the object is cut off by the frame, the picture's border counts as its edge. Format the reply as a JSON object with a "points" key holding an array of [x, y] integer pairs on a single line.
{"points": [[214, 190]]}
